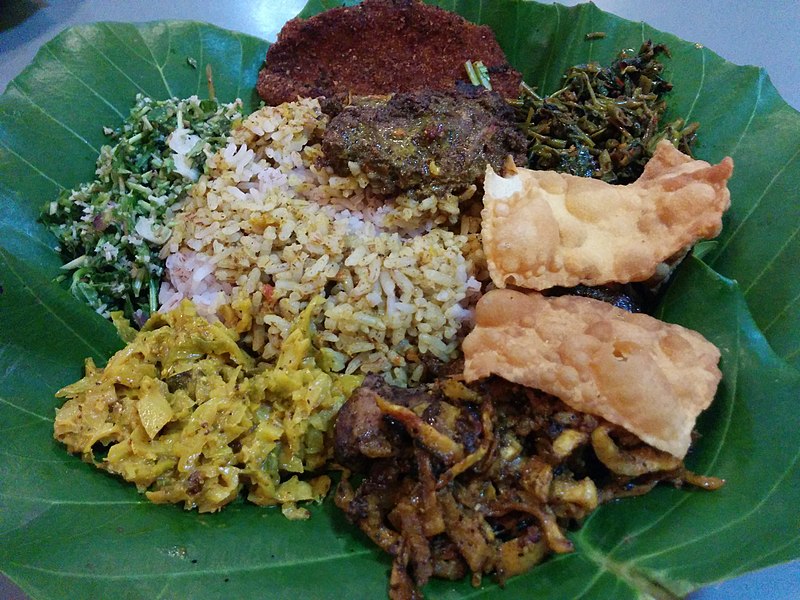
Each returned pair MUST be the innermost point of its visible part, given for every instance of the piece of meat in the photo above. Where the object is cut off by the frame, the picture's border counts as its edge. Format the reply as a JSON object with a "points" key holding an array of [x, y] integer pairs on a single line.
{"points": [[361, 431], [447, 561], [427, 141], [442, 446], [379, 47], [436, 370]]}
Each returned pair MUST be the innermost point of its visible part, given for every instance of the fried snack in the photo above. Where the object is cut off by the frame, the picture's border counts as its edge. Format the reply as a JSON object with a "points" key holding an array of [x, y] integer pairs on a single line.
{"points": [[380, 47], [649, 377], [543, 229]]}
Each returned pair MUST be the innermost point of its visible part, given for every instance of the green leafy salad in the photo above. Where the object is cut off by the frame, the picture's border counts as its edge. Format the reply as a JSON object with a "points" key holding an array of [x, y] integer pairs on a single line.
{"points": [[110, 231]]}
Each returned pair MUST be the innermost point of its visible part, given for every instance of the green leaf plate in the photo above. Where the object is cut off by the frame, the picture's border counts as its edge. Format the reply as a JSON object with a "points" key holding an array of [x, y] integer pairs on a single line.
{"points": [[69, 531]]}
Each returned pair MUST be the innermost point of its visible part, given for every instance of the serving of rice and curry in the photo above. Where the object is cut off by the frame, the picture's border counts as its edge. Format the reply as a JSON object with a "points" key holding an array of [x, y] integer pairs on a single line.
{"points": [[372, 276]]}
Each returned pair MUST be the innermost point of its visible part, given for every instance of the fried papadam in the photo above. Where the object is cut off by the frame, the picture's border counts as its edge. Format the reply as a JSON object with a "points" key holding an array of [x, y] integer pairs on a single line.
{"points": [[543, 229], [650, 377]]}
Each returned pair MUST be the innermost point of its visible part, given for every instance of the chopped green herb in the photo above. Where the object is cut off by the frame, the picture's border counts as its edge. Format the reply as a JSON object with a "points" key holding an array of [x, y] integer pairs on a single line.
{"points": [[110, 231], [478, 73], [605, 121]]}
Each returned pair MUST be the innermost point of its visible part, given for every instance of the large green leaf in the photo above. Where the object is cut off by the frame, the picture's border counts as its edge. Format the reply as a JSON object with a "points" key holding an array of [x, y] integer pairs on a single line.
{"points": [[69, 531], [741, 115]]}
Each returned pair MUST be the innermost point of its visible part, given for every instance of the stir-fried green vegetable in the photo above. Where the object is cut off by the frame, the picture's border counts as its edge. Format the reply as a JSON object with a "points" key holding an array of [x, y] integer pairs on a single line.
{"points": [[110, 231], [604, 122]]}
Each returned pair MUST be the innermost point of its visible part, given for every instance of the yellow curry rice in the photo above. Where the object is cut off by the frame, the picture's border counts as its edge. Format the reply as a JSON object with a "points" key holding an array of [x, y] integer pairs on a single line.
{"points": [[270, 228]]}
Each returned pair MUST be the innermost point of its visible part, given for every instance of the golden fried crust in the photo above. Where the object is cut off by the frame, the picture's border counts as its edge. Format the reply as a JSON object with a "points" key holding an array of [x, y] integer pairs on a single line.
{"points": [[543, 229], [650, 377]]}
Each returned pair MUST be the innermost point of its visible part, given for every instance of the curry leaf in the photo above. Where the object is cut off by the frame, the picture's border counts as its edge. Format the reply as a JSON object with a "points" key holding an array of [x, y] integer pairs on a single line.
{"points": [[67, 530]]}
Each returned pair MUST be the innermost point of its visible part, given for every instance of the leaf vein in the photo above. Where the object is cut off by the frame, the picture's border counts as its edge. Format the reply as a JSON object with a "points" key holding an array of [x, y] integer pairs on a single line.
{"points": [[21, 458], [200, 66], [163, 590], [111, 62], [53, 502], [699, 86], [729, 524], [82, 82], [592, 582], [748, 566], [126, 43], [161, 66], [24, 410], [754, 206], [761, 79], [25, 521], [55, 315], [195, 572], [553, 46], [31, 165], [53, 118], [771, 261], [6, 430], [781, 313], [32, 240], [241, 67], [155, 62]]}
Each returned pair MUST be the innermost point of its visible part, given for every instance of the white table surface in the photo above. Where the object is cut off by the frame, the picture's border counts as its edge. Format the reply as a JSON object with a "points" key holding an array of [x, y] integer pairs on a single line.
{"points": [[764, 33]]}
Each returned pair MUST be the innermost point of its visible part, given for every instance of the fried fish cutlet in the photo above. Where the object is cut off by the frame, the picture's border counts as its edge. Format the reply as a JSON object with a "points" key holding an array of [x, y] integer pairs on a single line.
{"points": [[425, 142], [379, 47]]}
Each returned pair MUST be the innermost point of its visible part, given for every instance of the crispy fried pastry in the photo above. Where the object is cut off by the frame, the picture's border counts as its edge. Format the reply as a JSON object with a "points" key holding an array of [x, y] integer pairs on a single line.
{"points": [[543, 229], [380, 47], [650, 377]]}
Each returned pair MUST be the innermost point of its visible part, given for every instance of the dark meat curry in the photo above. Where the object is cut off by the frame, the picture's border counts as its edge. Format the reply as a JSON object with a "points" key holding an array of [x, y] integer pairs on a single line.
{"points": [[482, 479]]}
